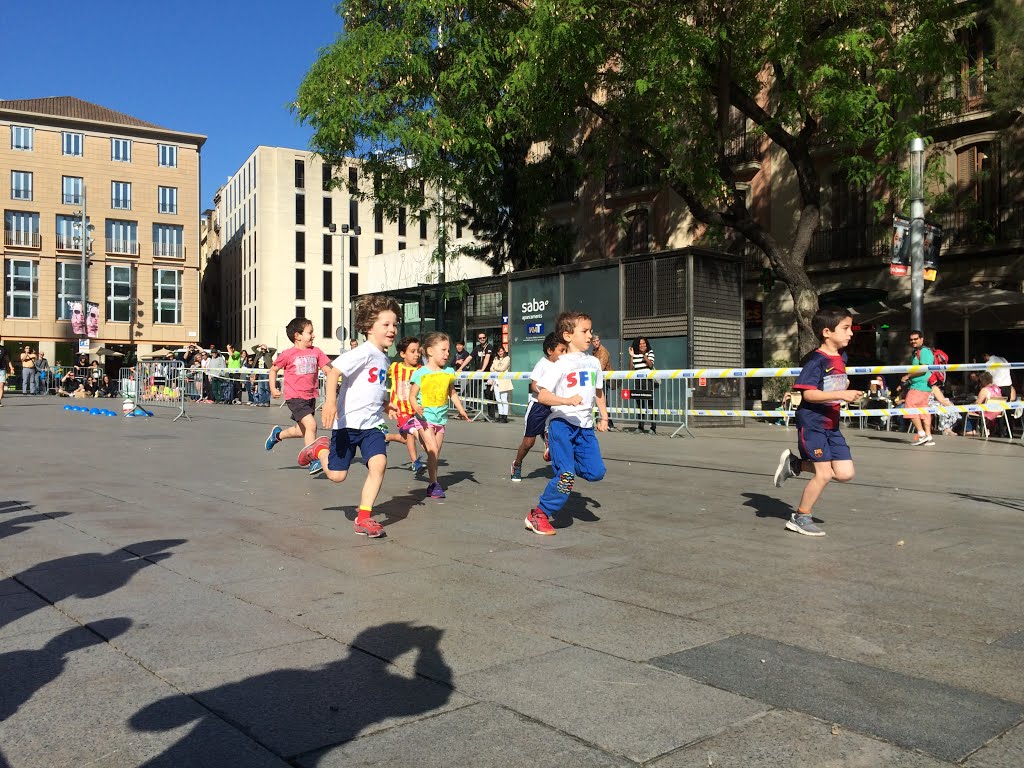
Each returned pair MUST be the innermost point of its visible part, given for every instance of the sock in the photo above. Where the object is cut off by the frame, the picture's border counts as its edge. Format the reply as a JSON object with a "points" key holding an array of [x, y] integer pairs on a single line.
{"points": [[322, 454], [920, 433], [363, 513], [801, 511]]}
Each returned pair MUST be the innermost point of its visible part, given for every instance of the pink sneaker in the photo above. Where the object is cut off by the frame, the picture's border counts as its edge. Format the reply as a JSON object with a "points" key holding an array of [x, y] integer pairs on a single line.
{"points": [[538, 522], [369, 527], [307, 454]]}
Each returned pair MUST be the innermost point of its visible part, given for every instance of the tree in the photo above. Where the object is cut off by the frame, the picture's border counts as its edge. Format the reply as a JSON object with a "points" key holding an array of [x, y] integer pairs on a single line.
{"points": [[1008, 79], [455, 85]]}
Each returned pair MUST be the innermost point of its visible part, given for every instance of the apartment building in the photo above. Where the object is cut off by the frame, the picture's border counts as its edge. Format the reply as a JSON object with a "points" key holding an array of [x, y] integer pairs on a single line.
{"points": [[285, 238], [136, 184]]}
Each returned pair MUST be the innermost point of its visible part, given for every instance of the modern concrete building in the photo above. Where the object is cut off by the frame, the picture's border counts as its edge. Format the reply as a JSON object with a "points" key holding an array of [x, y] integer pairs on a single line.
{"points": [[63, 158], [294, 242]]}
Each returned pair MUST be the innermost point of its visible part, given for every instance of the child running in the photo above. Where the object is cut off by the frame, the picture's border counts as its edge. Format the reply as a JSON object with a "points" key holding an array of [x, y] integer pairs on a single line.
{"points": [[432, 386], [570, 387], [301, 365], [400, 373], [355, 410], [823, 449], [536, 414]]}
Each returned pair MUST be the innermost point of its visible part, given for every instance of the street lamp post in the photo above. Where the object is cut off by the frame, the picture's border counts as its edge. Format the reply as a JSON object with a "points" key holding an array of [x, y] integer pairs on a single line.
{"points": [[346, 311], [917, 234], [82, 235]]}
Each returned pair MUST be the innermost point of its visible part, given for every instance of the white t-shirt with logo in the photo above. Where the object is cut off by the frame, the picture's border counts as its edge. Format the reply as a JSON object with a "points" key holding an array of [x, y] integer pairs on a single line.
{"points": [[362, 392], [538, 370], [1000, 376], [574, 374]]}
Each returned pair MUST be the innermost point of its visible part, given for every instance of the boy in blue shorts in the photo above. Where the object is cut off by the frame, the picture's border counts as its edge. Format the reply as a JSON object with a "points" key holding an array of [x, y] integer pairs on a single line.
{"points": [[823, 449], [536, 414], [571, 387], [355, 410]]}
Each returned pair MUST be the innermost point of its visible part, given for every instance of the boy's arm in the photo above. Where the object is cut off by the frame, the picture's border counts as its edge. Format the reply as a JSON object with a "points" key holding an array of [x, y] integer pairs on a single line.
{"points": [[602, 411], [549, 398], [458, 403], [329, 411], [533, 388], [274, 393], [820, 396]]}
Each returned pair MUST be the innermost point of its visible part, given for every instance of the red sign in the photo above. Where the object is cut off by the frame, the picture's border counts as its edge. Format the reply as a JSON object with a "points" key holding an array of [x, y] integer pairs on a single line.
{"points": [[625, 394], [702, 382], [899, 270]]}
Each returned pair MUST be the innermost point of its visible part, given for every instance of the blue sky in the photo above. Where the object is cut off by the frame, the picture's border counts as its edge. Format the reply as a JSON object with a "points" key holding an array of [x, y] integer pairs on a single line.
{"points": [[226, 68]]}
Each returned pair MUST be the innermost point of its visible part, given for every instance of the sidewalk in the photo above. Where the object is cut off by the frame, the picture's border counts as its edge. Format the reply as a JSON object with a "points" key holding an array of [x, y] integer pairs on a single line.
{"points": [[174, 595]]}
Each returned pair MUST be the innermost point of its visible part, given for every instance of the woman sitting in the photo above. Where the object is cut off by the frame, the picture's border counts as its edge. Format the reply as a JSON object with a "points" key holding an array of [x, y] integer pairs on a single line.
{"points": [[990, 394]]}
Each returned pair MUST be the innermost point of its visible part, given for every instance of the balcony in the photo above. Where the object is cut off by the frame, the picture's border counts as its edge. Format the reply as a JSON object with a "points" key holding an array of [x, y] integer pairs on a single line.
{"points": [[959, 99], [743, 148], [628, 177], [168, 250], [122, 247], [847, 243], [15, 238], [67, 242]]}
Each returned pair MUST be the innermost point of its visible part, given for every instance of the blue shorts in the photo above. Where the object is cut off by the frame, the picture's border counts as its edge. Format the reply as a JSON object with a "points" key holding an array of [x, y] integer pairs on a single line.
{"points": [[820, 445], [536, 419], [371, 442]]}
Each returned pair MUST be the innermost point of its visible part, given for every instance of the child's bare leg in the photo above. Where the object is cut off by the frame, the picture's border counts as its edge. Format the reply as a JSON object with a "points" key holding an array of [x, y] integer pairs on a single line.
{"points": [[842, 471], [293, 431], [308, 427], [814, 487], [524, 448], [427, 437], [374, 478], [410, 443]]}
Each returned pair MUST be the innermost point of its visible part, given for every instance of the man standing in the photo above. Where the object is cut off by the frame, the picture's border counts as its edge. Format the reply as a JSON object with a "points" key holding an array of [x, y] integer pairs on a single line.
{"points": [[233, 386], [264, 361], [462, 362], [483, 353], [600, 351], [1001, 376], [29, 380], [43, 371], [918, 389], [6, 367]]}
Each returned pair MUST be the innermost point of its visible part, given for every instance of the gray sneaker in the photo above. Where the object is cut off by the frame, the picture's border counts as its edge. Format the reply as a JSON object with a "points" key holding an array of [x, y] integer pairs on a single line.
{"points": [[785, 469], [803, 524]]}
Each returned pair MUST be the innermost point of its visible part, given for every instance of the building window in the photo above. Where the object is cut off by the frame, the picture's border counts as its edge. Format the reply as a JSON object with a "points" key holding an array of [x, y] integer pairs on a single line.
{"points": [[66, 232], [300, 284], [378, 219], [328, 326], [353, 176], [121, 150], [300, 210], [300, 311], [353, 285], [71, 190], [72, 143], [121, 195], [328, 249], [327, 177], [401, 245], [69, 287], [637, 233], [353, 212], [328, 211], [22, 137], [458, 229], [975, 177], [401, 222], [300, 174], [300, 246], [378, 247], [423, 225], [21, 185], [119, 293], [167, 155], [167, 199], [169, 240], [123, 237], [328, 279], [22, 288], [21, 228], [353, 251], [167, 296]]}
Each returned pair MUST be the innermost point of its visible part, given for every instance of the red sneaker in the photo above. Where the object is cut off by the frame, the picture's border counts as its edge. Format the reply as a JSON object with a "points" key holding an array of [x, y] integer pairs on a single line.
{"points": [[369, 527], [307, 454], [538, 522]]}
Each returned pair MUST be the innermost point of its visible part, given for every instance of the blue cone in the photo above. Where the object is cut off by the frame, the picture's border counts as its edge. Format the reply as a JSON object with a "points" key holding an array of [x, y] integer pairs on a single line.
{"points": [[67, 407]]}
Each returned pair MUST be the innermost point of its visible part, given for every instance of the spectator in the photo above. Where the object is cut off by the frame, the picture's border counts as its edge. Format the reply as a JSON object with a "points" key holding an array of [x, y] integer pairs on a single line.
{"points": [[353, 343], [71, 385], [29, 377], [463, 361], [598, 350], [105, 388], [6, 367], [1001, 376], [43, 368], [642, 390], [233, 385], [990, 393], [501, 387], [216, 368], [483, 354], [264, 360], [918, 389]]}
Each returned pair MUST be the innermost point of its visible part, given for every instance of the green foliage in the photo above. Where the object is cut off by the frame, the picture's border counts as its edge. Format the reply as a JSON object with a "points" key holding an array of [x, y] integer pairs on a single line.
{"points": [[773, 388], [1007, 82]]}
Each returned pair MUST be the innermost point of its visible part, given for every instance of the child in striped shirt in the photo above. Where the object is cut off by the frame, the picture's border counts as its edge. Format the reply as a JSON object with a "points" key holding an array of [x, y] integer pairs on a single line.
{"points": [[400, 406]]}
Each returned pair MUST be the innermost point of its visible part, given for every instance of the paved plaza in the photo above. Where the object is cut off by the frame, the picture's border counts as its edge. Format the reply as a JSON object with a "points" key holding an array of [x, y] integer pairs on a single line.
{"points": [[173, 595]]}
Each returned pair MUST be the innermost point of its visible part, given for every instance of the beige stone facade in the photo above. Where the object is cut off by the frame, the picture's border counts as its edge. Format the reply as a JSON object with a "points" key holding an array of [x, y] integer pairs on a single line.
{"points": [[139, 185], [277, 257]]}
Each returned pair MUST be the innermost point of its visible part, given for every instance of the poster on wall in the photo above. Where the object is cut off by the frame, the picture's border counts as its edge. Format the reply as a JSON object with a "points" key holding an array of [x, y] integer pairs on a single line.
{"points": [[899, 258]]}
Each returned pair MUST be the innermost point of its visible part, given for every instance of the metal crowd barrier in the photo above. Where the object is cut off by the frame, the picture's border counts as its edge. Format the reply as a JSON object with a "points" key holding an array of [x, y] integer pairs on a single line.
{"points": [[161, 384]]}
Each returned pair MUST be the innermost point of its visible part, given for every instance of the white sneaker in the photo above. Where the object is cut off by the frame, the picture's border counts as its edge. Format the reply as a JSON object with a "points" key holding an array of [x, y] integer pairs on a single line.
{"points": [[922, 440], [785, 469]]}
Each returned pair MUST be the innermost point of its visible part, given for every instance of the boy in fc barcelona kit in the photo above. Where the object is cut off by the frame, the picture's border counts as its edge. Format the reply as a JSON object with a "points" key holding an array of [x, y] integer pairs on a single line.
{"points": [[571, 387]]}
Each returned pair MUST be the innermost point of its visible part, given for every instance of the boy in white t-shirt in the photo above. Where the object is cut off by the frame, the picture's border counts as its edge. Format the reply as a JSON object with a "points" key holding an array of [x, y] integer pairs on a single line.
{"points": [[355, 410], [570, 387], [536, 417]]}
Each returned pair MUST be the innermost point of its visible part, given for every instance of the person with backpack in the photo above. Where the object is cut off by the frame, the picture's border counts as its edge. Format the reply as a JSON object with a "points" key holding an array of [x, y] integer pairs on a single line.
{"points": [[938, 395], [919, 389]]}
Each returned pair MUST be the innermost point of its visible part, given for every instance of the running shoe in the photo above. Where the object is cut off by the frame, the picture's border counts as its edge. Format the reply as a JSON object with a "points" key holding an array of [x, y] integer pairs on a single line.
{"points": [[922, 440], [517, 473], [315, 467], [436, 492], [369, 527], [274, 439], [785, 469], [803, 524], [538, 522], [418, 465], [307, 454]]}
